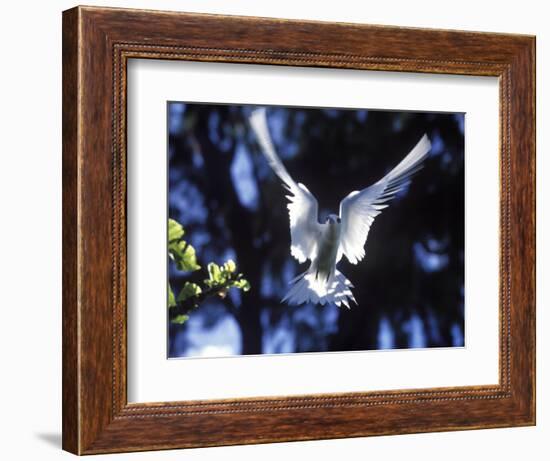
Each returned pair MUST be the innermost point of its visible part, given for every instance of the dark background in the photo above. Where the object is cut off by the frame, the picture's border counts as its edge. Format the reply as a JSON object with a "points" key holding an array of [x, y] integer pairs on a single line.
{"points": [[410, 285]]}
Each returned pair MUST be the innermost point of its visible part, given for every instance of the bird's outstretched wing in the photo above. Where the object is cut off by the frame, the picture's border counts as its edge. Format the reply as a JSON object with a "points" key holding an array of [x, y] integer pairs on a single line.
{"points": [[302, 207], [359, 208]]}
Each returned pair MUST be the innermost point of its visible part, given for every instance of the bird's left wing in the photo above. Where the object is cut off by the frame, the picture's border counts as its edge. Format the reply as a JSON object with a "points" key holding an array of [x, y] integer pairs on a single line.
{"points": [[358, 209], [302, 207]]}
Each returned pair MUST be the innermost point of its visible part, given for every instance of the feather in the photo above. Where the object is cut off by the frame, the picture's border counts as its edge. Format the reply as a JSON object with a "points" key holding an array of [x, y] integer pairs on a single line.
{"points": [[302, 206], [308, 288], [359, 208]]}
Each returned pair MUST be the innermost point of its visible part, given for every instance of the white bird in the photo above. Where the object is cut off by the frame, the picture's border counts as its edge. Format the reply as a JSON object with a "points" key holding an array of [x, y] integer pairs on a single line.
{"points": [[344, 234]]}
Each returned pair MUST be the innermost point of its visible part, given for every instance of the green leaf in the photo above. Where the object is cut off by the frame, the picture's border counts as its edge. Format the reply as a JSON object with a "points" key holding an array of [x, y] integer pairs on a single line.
{"points": [[175, 230], [180, 319], [184, 255], [189, 290], [220, 278], [171, 297], [214, 273], [230, 266], [243, 284], [189, 260]]}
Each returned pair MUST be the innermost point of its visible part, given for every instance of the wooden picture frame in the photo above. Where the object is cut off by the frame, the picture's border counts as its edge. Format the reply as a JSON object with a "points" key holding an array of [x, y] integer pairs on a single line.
{"points": [[97, 43]]}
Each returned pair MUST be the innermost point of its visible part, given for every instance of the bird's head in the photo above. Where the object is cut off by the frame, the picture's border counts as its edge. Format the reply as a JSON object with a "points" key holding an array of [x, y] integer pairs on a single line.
{"points": [[333, 219]]}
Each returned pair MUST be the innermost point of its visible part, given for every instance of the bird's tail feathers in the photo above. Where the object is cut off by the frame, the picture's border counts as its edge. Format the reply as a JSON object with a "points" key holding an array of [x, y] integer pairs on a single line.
{"points": [[311, 287]]}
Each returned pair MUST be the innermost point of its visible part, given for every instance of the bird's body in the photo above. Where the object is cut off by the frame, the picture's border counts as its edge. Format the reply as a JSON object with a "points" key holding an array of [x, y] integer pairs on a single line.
{"points": [[322, 282], [344, 234], [324, 261]]}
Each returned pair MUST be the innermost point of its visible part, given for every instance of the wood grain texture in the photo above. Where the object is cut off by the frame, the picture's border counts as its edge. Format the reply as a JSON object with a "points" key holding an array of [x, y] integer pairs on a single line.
{"points": [[97, 43], [70, 384]]}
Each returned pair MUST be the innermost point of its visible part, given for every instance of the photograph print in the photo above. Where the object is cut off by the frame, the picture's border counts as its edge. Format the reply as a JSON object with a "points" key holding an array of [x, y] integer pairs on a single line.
{"points": [[304, 230]]}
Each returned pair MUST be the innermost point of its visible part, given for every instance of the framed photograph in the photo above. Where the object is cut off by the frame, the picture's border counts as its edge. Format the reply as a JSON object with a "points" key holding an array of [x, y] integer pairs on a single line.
{"points": [[280, 230]]}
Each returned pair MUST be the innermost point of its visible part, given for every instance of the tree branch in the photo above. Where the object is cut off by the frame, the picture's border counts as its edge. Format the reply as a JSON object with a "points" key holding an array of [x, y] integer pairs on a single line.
{"points": [[191, 303]]}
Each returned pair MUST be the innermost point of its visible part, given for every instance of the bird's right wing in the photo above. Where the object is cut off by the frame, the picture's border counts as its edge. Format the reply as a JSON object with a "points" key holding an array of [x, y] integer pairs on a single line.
{"points": [[302, 207], [359, 208]]}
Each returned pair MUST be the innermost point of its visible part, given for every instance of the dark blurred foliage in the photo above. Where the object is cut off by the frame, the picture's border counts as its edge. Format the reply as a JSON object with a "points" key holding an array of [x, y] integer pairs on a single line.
{"points": [[410, 286]]}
